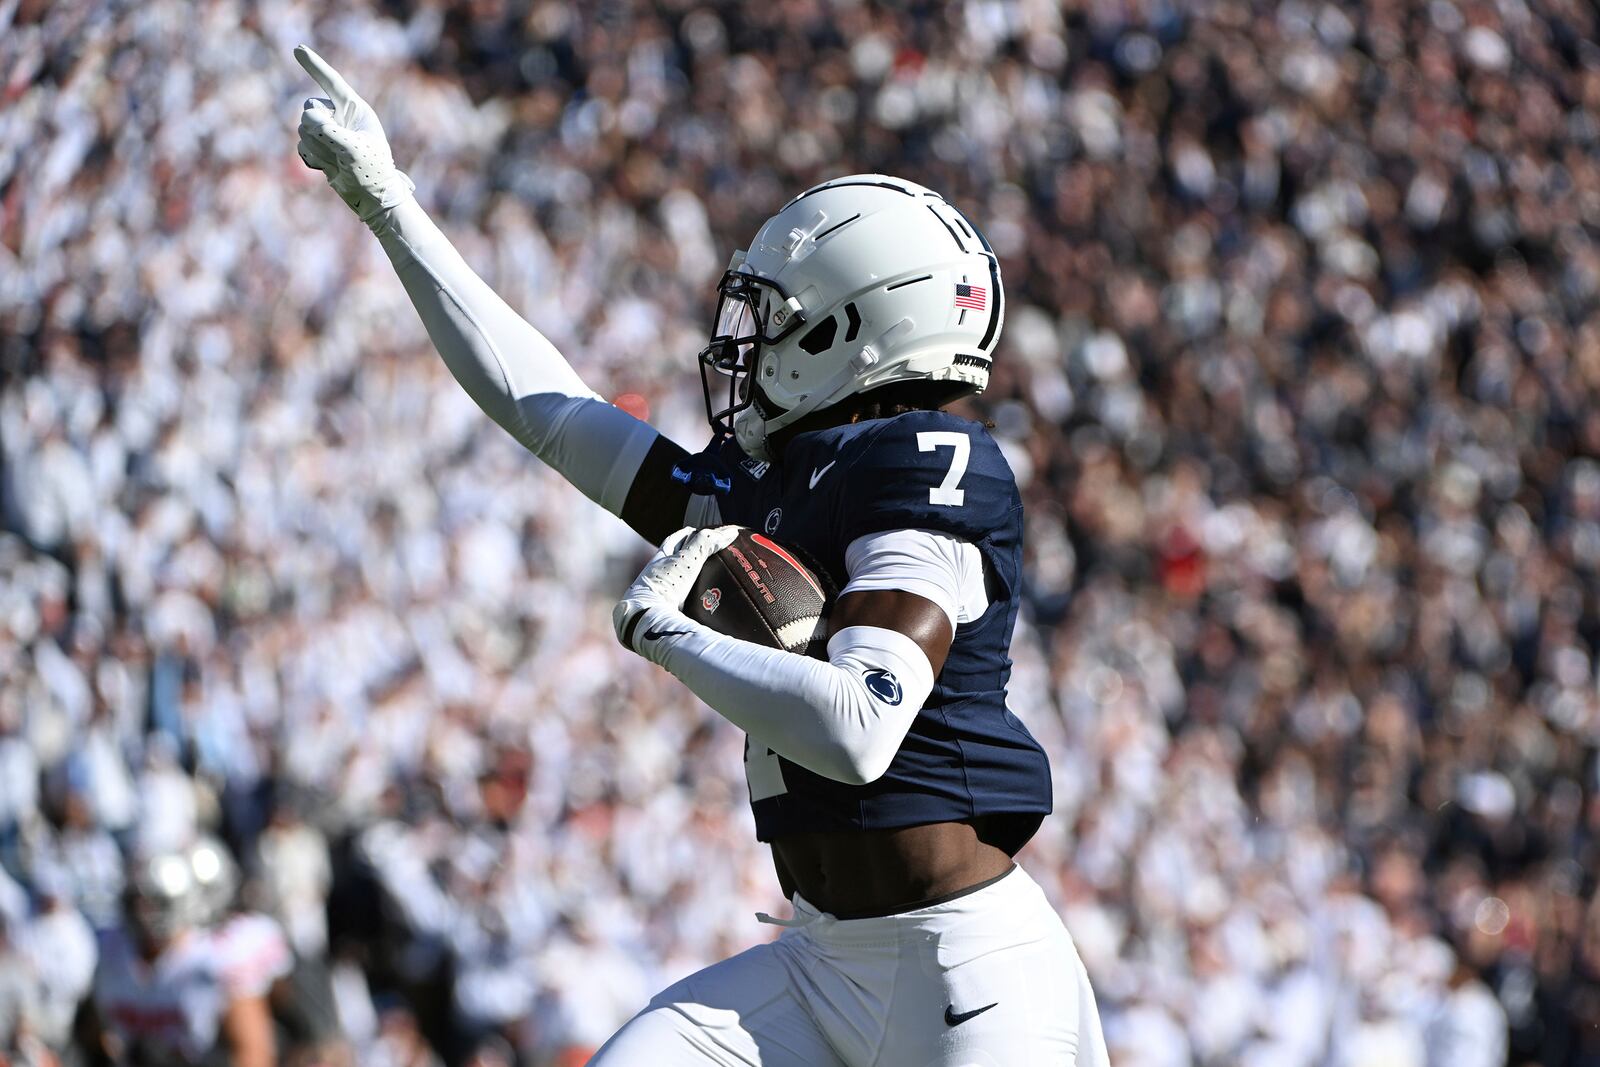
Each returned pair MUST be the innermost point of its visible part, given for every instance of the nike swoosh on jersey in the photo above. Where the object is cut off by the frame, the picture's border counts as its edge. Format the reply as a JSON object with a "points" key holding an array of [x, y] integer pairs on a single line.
{"points": [[952, 1019], [656, 635], [818, 472]]}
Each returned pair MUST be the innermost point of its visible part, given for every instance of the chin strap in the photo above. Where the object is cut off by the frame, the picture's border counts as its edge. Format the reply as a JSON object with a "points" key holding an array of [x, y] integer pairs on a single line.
{"points": [[791, 923]]}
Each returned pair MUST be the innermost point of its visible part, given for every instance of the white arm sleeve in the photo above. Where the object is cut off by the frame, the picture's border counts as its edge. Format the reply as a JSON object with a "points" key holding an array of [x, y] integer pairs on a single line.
{"points": [[843, 719], [510, 369], [933, 565]]}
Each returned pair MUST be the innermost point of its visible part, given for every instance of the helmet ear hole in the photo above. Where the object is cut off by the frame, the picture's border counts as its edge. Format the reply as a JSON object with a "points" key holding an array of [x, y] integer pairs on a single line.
{"points": [[819, 338]]}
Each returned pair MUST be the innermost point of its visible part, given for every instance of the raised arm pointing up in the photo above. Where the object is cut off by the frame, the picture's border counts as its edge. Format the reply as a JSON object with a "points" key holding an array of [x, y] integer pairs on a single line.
{"points": [[510, 369]]}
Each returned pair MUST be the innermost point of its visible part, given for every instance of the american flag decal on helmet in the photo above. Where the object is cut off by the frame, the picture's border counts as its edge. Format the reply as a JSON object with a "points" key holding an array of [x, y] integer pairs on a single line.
{"points": [[971, 296]]}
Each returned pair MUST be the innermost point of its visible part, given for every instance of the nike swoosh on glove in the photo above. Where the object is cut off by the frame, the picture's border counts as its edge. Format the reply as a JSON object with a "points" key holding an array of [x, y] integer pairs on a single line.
{"points": [[340, 135], [650, 613]]}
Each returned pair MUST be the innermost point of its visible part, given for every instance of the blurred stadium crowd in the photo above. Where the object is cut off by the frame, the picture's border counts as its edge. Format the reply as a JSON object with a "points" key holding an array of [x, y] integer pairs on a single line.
{"points": [[1301, 378]]}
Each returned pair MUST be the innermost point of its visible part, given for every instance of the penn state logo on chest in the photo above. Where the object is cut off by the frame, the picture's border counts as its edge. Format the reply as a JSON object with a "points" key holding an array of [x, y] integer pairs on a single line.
{"points": [[774, 520]]}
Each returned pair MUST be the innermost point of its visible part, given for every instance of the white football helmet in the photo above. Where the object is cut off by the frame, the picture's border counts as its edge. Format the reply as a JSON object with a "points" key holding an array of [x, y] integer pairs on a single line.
{"points": [[216, 877], [162, 898], [857, 283]]}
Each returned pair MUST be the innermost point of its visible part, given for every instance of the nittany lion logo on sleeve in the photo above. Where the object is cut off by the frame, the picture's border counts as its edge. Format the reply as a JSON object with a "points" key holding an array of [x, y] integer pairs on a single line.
{"points": [[884, 685]]}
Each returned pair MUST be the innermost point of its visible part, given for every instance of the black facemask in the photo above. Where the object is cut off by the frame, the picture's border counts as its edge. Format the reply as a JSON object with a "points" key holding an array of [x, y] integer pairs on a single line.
{"points": [[743, 302]]}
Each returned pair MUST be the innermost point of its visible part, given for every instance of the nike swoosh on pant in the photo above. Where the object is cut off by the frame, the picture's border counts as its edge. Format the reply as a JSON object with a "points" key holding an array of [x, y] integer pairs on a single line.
{"points": [[952, 1019]]}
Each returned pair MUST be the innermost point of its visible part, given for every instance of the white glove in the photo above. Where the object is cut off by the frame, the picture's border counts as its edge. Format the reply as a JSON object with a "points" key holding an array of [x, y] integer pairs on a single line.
{"points": [[651, 611], [342, 137]]}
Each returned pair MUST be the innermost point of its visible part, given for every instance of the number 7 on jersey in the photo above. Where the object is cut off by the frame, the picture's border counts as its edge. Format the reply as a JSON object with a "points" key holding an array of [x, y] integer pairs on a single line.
{"points": [[946, 492]]}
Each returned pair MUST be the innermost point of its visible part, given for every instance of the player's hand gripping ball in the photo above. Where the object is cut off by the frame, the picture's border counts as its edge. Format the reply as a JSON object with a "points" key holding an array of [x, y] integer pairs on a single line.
{"points": [[734, 581]]}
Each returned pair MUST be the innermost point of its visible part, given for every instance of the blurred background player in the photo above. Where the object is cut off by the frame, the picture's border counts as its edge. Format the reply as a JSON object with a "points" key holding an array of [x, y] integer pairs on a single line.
{"points": [[173, 988]]}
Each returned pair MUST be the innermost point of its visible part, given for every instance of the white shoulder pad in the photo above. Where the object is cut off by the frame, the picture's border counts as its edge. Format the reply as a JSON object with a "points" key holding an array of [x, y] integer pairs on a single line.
{"points": [[933, 565]]}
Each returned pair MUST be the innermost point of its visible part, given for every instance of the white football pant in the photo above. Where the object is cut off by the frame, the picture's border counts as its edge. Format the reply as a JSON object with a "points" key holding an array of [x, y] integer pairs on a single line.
{"points": [[990, 979]]}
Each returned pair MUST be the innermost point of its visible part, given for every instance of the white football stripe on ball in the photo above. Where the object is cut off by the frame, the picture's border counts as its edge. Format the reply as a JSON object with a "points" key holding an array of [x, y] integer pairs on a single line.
{"points": [[800, 631]]}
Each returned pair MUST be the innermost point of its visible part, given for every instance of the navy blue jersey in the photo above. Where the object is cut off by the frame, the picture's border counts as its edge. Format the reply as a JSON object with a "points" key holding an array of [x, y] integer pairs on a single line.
{"points": [[966, 755]]}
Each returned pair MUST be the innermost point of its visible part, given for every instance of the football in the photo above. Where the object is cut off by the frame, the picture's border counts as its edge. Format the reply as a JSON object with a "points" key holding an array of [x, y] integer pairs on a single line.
{"points": [[757, 590]]}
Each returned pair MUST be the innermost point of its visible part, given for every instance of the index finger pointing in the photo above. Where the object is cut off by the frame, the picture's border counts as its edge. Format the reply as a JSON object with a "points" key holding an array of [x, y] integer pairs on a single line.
{"points": [[332, 83]]}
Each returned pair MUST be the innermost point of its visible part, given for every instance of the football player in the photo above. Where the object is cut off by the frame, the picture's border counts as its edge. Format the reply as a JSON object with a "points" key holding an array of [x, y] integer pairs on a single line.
{"points": [[167, 990], [252, 947], [890, 779]]}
